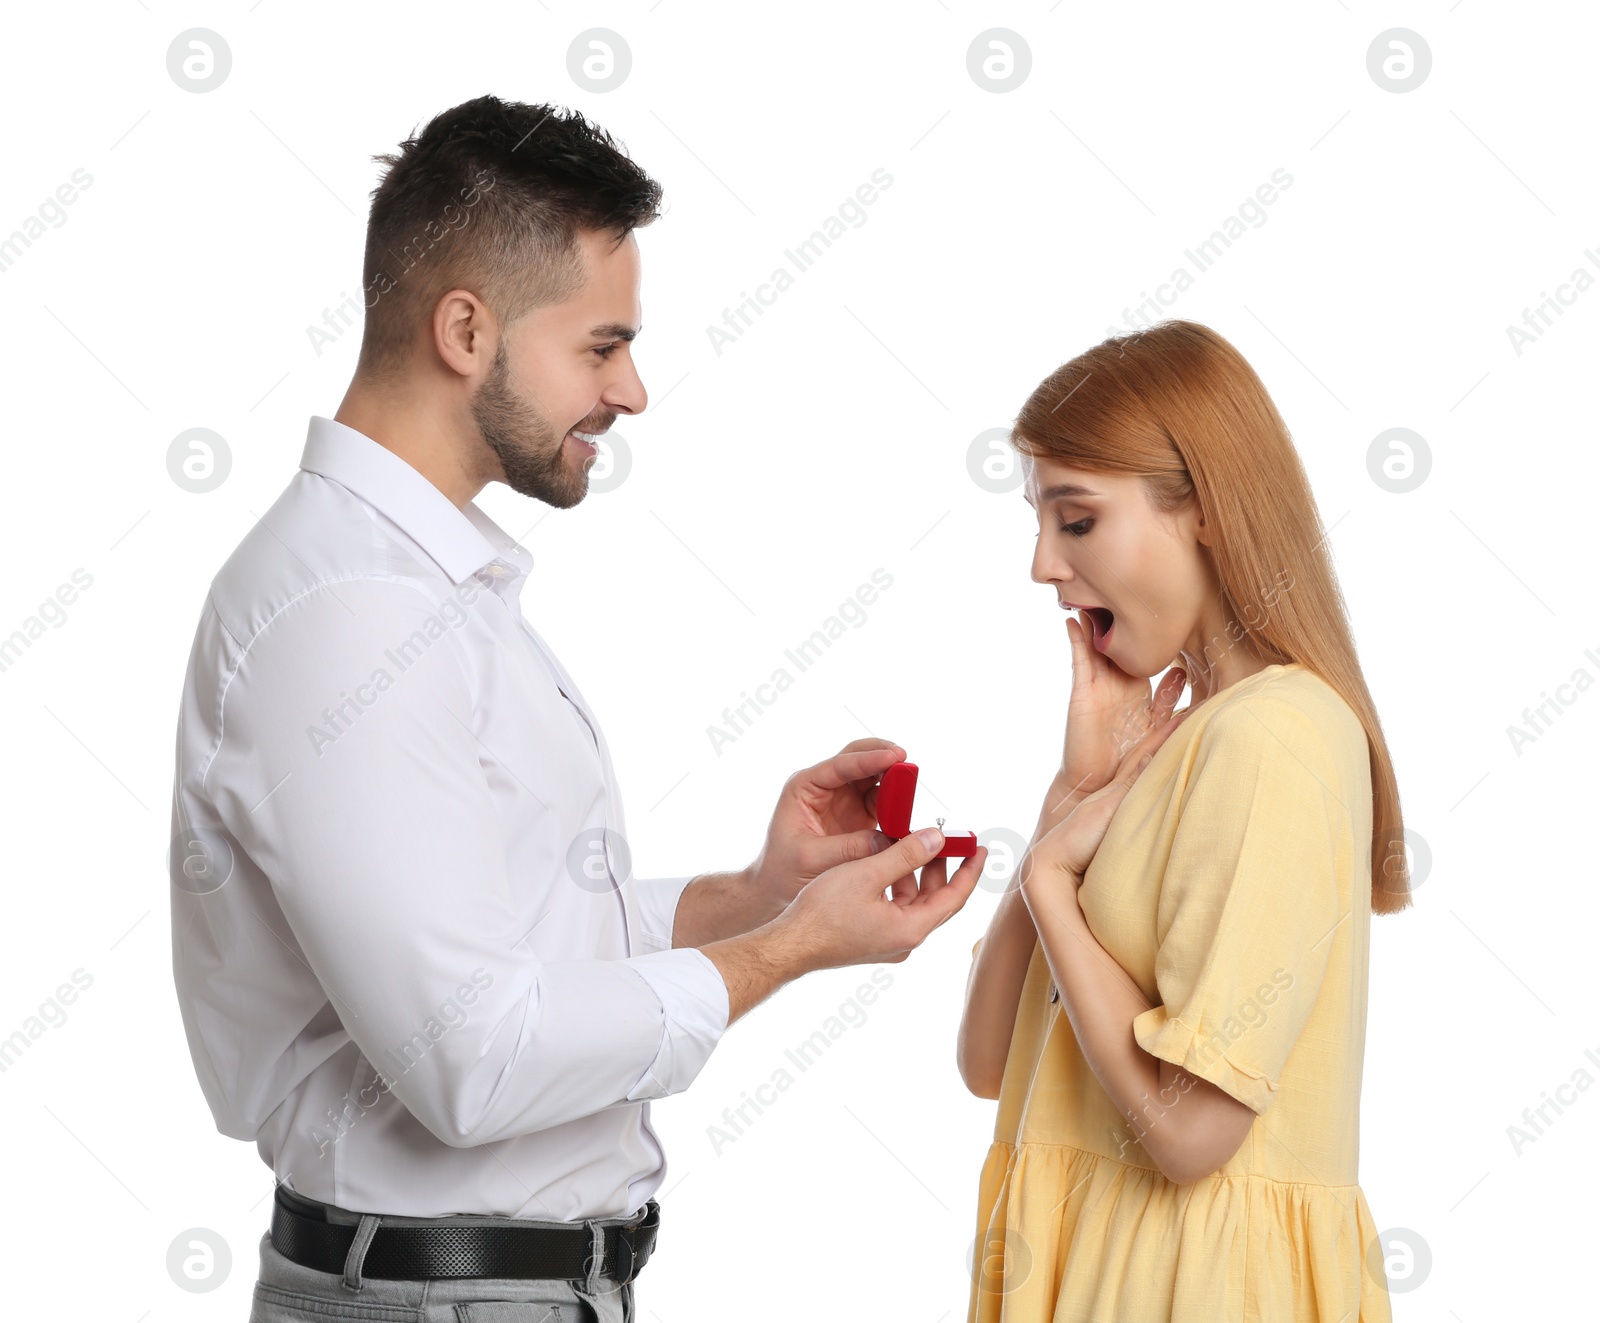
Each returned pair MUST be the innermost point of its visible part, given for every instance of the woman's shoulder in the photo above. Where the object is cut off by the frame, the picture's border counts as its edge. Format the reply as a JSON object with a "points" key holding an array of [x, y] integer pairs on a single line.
{"points": [[1285, 703]]}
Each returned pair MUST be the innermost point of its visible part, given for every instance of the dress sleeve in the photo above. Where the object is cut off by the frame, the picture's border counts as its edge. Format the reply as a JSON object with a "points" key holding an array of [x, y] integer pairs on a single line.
{"points": [[1250, 899]]}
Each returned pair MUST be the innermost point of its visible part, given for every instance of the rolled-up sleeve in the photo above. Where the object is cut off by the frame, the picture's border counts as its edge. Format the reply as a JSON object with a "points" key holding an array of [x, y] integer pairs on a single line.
{"points": [[694, 1002], [385, 854], [658, 908]]}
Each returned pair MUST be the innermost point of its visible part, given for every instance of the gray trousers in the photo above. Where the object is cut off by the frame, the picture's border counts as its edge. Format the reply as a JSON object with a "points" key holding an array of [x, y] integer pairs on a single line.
{"points": [[286, 1292]]}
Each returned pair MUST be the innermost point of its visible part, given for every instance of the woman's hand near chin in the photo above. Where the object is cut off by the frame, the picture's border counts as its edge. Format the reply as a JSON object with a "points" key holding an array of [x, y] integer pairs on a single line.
{"points": [[1110, 712], [1061, 855]]}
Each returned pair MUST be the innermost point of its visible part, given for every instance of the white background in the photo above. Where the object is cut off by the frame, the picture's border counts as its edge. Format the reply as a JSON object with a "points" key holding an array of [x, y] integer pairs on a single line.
{"points": [[768, 482]]}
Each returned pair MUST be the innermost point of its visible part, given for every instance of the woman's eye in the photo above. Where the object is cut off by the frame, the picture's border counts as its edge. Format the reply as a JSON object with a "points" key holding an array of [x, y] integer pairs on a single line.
{"points": [[1078, 529]]}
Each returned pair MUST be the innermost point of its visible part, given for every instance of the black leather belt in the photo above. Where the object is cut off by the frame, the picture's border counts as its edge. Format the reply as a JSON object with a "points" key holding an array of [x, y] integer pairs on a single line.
{"points": [[302, 1233]]}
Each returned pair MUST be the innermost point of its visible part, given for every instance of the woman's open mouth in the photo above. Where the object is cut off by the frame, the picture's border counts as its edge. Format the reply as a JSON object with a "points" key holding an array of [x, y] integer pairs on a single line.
{"points": [[1101, 622]]}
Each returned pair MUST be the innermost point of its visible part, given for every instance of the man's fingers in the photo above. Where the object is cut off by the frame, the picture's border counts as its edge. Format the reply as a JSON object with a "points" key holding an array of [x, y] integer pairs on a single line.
{"points": [[841, 849], [867, 744], [913, 887], [905, 856], [945, 899], [860, 765], [903, 890]]}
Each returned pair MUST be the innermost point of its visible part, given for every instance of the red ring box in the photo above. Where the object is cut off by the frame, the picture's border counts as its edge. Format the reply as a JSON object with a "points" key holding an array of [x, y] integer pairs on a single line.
{"points": [[896, 790]]}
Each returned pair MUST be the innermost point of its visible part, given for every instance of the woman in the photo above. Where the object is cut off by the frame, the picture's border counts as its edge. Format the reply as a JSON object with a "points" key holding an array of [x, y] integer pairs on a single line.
{"points": [[1171, 1005]]}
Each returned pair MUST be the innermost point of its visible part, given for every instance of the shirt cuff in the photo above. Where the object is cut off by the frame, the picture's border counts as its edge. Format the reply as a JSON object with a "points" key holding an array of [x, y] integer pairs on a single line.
{"points": [[694, 1004], [657, 898]]}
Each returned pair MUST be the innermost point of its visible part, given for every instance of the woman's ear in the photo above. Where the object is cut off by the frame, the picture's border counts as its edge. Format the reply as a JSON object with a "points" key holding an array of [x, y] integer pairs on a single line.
{"points": [[1193, 519]]}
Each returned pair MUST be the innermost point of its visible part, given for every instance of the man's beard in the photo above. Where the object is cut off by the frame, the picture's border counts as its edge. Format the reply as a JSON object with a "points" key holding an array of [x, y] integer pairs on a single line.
{"points": [[531, 452]]}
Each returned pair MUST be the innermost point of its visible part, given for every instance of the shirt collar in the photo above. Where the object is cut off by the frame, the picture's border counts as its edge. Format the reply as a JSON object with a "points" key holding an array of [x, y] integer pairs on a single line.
{"points": [[461, 541]]}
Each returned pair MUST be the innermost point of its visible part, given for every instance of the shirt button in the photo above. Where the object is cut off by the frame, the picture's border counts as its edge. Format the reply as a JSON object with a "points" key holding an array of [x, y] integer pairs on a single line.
{"points": [[1055, 993]]}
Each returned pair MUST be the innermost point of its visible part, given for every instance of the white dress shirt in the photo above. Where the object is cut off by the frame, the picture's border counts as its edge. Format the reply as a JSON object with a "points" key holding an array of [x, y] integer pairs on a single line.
{"points": [[412, 961]]}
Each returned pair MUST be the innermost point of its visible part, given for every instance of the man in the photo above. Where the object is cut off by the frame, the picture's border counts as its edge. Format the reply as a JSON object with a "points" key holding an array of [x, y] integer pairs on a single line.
{"points": [[413, 963]]}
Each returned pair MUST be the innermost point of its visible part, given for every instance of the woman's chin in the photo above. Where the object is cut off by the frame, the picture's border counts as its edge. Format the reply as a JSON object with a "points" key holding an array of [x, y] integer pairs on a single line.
{"points": [[1135, 665], [1117, 653]]}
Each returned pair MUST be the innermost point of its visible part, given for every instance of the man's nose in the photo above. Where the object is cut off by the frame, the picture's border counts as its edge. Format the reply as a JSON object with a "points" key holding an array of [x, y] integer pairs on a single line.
{"points": [[626, 392]]}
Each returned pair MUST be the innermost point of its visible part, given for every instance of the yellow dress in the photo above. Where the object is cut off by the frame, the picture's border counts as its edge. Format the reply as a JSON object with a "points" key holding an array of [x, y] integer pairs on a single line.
{"points": [[1234, 886]]}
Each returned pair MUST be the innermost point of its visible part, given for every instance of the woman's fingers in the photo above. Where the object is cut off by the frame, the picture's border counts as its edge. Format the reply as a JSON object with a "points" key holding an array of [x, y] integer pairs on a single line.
{"points": [[1080, 648], [1159, 709], [1087, 660], [1168, 692], [1134, 760], [1070, 846]]}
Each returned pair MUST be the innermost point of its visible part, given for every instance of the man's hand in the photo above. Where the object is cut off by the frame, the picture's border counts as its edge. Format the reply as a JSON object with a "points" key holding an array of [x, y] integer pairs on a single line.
{"points": [[826, 815], [845, 917]]}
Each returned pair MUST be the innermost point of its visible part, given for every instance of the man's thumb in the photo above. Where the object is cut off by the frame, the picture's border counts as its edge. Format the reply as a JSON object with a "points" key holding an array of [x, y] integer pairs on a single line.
{"points": [[908, 853]]}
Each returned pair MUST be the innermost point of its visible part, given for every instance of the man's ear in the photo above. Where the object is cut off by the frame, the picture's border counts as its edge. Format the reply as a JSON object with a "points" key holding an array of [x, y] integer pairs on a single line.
{"points": [[464, 331]]}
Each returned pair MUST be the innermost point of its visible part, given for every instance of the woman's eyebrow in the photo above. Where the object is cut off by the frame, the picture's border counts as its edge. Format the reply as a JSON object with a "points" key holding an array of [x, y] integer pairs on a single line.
{"points": [[1066, 489]]}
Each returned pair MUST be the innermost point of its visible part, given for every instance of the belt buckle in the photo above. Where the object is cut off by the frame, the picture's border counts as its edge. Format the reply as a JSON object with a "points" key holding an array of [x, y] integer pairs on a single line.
{"points": [[627, 1260], [631, 1255]]}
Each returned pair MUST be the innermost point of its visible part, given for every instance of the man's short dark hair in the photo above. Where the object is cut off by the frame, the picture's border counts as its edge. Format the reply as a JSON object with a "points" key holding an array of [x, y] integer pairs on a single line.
{"points": [[490, 197]]}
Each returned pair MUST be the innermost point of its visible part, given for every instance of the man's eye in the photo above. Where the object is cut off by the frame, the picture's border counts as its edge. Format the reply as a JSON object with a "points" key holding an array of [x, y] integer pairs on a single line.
{"points": [[1078, 529], [604, 350]]}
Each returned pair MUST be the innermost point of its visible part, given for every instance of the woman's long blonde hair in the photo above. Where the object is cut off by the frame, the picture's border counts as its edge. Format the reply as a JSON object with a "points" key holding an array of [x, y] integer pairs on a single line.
{"points": [[1179, 407]]}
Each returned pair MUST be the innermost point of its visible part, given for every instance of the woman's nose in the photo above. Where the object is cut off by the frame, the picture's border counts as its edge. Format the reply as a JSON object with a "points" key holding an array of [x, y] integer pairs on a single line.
{"points": [[1048, 567]]}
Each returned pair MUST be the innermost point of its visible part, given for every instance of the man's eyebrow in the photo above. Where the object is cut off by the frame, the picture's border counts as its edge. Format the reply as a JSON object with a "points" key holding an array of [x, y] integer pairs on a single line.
{"points": [[614, 331], [1062, 489]]}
